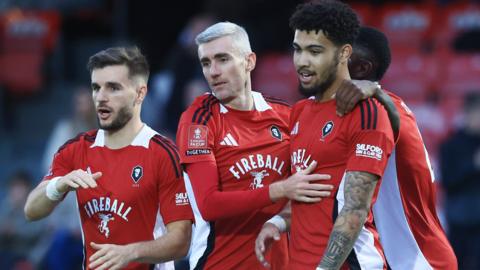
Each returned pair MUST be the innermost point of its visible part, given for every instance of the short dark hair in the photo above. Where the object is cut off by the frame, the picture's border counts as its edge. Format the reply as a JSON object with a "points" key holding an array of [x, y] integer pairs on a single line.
{"points": [[336, 19], [375, 46], [132, 57]]}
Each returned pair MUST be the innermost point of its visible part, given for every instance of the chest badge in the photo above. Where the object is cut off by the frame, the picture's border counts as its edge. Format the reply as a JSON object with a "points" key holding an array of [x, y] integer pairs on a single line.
{"points": [[275, 131], [137, 173], [327, 129]]}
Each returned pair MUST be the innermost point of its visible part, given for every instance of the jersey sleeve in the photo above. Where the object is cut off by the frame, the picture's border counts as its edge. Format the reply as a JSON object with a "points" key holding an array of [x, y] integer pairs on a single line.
{"points": [[196, 131], [63, 162], [173, 199], [370, 138]]}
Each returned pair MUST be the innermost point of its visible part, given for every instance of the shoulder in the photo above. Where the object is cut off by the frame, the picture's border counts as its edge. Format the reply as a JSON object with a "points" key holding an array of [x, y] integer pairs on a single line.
{"points": [[276, 102], [370, 113], [200, 111], [164, 145], [298, 107], [82, 139], [167, 152]]}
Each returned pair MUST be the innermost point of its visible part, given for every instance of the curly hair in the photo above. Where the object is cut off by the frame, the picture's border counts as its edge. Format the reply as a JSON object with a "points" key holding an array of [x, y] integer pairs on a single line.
{"points": [[375, 45], [336, 19]]}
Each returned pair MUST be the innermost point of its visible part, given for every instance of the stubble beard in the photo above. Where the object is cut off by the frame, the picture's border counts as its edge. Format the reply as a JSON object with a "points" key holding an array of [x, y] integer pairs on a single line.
{"points": [[123, 117], [330, 76]]}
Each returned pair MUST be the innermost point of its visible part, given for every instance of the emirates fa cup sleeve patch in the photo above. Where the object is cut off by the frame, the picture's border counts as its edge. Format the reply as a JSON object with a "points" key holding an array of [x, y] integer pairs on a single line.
{"points": [[197, 136]]}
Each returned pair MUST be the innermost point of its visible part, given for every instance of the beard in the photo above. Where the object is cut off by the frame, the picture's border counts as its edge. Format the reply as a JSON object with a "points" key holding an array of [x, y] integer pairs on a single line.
{"points": [[124, 115], [330, 75]]}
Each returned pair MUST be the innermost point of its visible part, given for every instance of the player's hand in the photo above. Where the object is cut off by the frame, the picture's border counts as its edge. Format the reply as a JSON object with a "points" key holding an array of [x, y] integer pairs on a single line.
{"points": [[76, 179], [110, 256], [351, 92], [264, 240], [298, 187]]}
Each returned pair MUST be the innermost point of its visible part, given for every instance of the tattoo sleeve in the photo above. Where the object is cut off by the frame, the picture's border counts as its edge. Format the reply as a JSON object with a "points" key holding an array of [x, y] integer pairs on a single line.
{"points": [[359, 188]]}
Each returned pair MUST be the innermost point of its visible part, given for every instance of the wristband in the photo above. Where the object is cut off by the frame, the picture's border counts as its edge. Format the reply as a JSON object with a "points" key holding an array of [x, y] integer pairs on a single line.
{"points": [[52, 192], [279, 222]]}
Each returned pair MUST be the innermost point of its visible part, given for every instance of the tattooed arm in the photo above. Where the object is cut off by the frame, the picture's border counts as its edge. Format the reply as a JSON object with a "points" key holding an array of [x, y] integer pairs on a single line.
{"points": [[358, 192]]}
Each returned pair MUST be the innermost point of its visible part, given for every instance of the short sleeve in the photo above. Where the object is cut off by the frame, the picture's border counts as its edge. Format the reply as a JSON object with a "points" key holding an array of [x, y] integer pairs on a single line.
{"points": [[62, 163], [196, 134], [173, 199], [370, 138]]}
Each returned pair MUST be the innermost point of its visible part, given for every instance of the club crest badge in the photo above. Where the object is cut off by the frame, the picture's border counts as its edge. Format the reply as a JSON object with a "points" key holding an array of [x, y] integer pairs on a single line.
{"points": [[275, 131], [327, 129], [137, 173]]}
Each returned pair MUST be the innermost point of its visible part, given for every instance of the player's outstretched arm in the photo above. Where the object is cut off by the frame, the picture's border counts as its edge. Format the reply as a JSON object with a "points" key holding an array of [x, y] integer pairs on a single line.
{"points": [[171, 246], [359, 189], [271, 231], [42, 200], [351, 92]]}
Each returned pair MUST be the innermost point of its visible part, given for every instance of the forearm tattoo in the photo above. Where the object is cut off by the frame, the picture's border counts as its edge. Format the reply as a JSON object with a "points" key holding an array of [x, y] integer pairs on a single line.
{"points": [[359, 188]]}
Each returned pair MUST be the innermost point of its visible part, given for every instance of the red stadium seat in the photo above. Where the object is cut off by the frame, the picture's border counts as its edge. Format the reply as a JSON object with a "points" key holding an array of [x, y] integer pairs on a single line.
{"points": [[275, 76], [411, 74], [21, 71], [407, 25], [454, 19], [25, 39], [460, 74]]}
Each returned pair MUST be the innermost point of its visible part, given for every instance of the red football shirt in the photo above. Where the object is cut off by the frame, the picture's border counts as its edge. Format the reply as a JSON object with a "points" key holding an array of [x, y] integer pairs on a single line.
{"points": [[137, 182], [251, 150], [359, 141], [405, 212]]}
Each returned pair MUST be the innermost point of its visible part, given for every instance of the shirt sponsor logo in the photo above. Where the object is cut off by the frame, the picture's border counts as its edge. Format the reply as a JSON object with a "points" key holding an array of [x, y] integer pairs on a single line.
{"points": [[181, 198], [258, 161], [370, 151], [106, 204], [258, 178], [197, 152], [103, 226], [299, 159], [197, 136]]}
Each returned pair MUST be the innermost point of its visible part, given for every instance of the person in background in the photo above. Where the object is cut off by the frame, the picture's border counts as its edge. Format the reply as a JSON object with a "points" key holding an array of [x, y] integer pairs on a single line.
{"points": [[460, 168], [18, 238]]}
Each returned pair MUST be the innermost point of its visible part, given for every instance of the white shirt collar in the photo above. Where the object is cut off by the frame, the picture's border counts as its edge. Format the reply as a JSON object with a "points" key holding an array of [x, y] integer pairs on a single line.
{"points": [[142, 138], [259, 102]]}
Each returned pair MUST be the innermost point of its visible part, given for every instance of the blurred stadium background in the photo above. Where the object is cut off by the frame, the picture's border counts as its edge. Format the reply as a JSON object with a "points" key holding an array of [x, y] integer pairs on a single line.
{"points": [[45, 44]]}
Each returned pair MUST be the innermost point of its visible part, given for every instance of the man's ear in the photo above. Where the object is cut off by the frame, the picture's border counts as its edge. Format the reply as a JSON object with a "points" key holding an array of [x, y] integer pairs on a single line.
{"points": [[361, 70], [251, 59], [141, 93], [345, 53]]}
